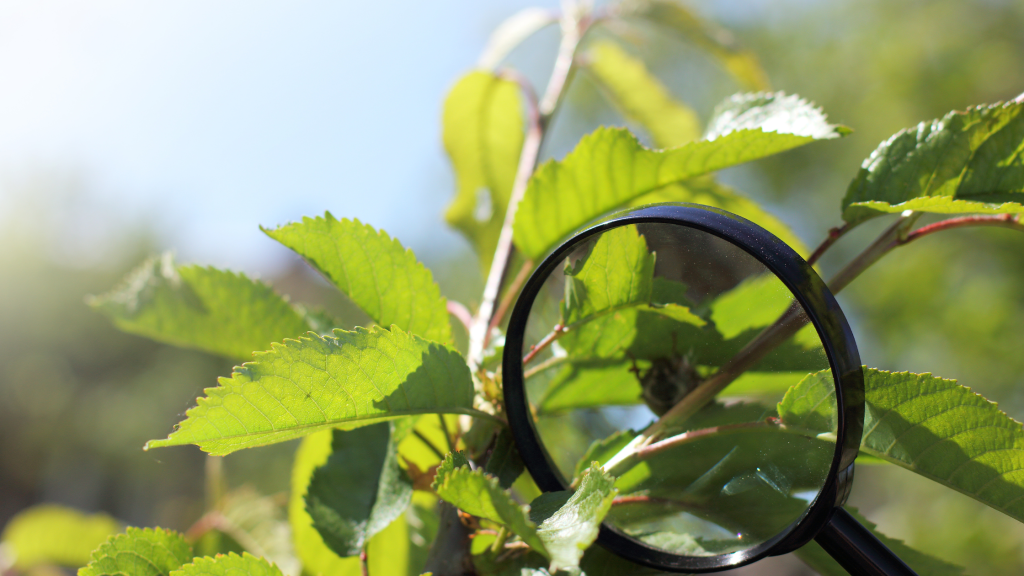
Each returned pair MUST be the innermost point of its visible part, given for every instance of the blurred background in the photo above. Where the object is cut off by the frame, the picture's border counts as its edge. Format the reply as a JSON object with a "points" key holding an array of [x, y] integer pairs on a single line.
{"points": [[131, 128]]}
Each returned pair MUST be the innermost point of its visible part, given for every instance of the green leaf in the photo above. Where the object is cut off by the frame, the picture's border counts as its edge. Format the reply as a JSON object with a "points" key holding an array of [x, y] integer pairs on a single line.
{"points": [[139, 552], [590, 384], [640, 97], [720, 43], [316, 557], [610, 168], [228, 565], [203, 308], [483, 135], [969, 161], [380, 276], [938, 429], [388, 551], [811, 404], [481, 495], [571, 528], [923, 564], [51, 534], [772, 112], [616, 273], [756, 302], [505, 463], [301, 386], [360, 490]]}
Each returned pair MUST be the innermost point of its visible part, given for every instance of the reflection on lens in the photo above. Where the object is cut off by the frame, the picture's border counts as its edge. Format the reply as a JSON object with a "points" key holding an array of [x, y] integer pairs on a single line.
{"points": [[639, 322]]}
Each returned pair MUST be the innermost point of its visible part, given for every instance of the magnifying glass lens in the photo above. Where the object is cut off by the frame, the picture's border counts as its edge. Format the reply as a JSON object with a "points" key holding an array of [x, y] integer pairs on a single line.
{"points": [[636, 327]]}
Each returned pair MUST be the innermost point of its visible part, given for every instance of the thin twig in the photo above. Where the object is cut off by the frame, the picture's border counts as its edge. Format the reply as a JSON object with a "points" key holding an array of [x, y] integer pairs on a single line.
{"points": [[363, 562], [510, 297], [572, 32], [555, 333], [459, 310], [1011, 221], [833, 234]]}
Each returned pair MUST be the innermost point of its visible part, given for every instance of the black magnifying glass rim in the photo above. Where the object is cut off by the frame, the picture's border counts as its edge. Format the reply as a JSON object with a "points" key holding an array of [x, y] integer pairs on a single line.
{"points": [[823, 312]]}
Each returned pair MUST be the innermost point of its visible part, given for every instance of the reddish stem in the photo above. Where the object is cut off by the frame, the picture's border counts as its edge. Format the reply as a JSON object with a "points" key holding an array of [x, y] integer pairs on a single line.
{"points": [[459, 310], [1002, 220], [556, 332], [834, 234], [363, 564], [510, 296]]}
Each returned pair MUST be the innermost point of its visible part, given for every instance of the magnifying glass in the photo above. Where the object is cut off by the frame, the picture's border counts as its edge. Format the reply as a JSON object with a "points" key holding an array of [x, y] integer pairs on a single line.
{"points": [[705, 365]]}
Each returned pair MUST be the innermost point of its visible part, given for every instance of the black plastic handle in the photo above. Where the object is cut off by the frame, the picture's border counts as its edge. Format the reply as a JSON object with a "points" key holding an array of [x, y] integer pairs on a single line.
{"points": [[857, 550]]}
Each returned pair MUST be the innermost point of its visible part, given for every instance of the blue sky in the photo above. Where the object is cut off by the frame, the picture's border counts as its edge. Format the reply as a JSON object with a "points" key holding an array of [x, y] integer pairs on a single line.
{"points": [[208, 119]]}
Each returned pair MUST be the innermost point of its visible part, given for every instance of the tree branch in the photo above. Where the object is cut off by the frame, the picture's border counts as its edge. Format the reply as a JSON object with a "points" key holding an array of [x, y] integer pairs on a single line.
{"points": [[572, 32]]}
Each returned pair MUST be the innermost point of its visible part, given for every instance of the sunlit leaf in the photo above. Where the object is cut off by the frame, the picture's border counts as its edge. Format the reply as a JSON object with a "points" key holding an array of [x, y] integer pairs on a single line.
{"points": [[359, 491], [568, 522], [52, 534], [610, 168], [589, 384], [481, 495], [923, 564], [379, 275], [969, 161], [139, 552], [204, 308], [771, 112], [483, 135], [934, 427], [677, 18], [640, 96], [352, 379], [616, 273], [228, 565]]}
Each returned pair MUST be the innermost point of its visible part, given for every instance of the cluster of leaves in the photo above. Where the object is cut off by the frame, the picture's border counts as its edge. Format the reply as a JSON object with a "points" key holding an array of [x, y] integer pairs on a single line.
{"points": [[393, 418]]}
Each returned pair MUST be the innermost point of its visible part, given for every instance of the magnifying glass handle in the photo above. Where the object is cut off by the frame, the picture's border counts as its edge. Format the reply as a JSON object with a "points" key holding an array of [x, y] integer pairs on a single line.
{"points": [[857, 550]]}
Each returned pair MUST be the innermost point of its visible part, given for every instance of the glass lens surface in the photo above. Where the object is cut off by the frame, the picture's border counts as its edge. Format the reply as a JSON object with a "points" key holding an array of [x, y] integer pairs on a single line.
{"points": [[687, 369]]}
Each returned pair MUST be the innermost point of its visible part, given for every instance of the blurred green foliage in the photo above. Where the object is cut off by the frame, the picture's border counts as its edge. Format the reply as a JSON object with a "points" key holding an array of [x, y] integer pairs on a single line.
{"points": [[78, 398]]}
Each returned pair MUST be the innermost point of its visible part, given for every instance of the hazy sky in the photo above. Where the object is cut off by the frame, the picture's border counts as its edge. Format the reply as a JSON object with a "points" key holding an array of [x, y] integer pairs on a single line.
{"points": [[213, 117]]}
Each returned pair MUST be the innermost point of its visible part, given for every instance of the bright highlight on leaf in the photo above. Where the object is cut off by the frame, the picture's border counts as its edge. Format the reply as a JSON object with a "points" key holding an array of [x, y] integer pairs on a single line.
{"points": [[207, 309], [351, 379], [969, 161], [483, 135], [573, 527], [52, 534], [228, 565], [640, 96], [772, 112], [380, 276], [610, 168], [139, 552]]}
